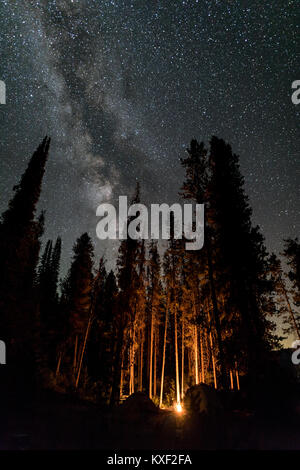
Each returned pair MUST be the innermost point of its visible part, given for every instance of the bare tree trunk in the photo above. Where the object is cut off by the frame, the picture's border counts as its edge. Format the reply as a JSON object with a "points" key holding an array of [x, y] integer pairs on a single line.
{"points": [[58, 364], [237, 377], [164, 357], [83, 350], [140, 388], [202, 357], [122, 373], [129, 364], [155, 357], [176, 357], [131, 359], [231, 380], [213, 359], [190, 362], [195, 341], [182, 359], [196, 355], [130, 369], [151, 355]]}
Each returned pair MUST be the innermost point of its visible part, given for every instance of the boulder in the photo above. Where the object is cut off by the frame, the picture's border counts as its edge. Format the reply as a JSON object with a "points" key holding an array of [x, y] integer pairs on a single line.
{"points": [[138, 405], [202, 399]]}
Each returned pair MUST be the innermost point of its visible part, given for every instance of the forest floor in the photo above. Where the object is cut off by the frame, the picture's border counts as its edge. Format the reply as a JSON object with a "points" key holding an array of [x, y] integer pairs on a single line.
{"points": [[55, 422]]}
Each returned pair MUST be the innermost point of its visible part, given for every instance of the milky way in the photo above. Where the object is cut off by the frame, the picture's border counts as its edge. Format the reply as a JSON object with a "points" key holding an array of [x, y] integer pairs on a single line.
{"points": [[123, 86]]}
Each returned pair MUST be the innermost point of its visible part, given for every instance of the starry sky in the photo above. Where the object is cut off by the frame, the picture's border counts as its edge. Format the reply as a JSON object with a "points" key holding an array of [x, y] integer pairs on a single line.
{"points": [[122, 86]]}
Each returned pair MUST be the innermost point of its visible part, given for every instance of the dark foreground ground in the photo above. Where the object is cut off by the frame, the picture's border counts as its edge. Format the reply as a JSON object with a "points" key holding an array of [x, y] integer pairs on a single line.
{"points": [[55, 422]]}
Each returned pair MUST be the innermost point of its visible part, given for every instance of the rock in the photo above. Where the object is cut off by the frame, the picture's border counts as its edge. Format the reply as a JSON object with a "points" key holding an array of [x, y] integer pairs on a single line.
{"points": [[137, 406], [202, 400]]}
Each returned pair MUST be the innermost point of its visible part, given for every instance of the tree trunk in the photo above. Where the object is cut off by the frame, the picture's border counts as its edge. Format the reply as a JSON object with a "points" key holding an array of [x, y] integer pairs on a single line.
{"points": [[154, 371], [237, 377], [231, 379], [164, 356], [83, 350], [151, 355], [182, 359], [131, 359], [122, 377], [176, 357], [195, 341], [216, 313], [140, 387], [130, 369], [196, 355], [202, 357], [58, 364], [213, 359]]}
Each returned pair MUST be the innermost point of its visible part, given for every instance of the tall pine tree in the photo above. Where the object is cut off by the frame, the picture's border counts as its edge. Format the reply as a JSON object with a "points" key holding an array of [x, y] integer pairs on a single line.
{"points": [[19, 249]]}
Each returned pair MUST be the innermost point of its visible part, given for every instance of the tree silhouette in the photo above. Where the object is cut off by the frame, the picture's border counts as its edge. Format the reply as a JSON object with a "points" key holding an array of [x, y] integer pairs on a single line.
{"points": [[19, 250]]}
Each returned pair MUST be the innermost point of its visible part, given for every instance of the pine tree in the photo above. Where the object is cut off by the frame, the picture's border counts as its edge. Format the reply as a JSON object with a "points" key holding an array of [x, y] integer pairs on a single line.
{"points": [[242, 261], [154, 295], [127, 275], [19, 250], [235, 287], [196, 188], [139, 328], [77, 299], [172, 276]]}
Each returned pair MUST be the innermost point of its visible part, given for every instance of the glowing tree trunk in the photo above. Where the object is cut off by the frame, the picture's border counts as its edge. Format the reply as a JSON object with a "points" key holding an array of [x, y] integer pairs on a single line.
{"points": [[163, 358], [151, 355], [122, 376], [237, 377], [213, 359], [190, 353], [83, 350], [130, 370], [176, 357], [154, 359], [196, 355], [202, 357], [182, 359], [140, 381], [131, 360], [231, 379], [195, 342], [58, 364]]}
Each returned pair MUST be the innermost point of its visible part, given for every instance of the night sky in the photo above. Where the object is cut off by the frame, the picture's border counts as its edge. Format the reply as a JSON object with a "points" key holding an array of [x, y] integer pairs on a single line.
{"points": [[123, 86]]}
